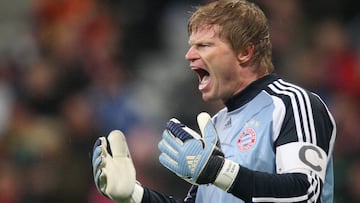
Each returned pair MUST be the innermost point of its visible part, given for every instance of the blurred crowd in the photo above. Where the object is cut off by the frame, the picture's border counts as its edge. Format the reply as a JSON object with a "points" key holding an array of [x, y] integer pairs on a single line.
{"points": [[73, 70]]}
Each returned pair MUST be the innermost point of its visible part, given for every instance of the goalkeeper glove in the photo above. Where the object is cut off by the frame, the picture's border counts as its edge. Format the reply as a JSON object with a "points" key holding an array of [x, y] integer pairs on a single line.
{"points": [[114, 172], [197, 158]]}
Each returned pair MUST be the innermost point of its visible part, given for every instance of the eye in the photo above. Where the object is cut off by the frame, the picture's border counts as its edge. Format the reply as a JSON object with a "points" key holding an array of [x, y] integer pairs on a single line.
{"points": [[202, 45]]}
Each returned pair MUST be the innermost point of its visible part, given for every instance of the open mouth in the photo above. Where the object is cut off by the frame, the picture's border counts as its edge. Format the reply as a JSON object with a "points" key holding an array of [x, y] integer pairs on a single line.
{"points": [[204, 78], [202, 73]]}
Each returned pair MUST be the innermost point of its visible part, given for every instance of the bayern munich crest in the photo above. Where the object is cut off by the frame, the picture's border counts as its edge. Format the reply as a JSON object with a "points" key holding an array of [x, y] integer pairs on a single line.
{"points": [[247, 139]]}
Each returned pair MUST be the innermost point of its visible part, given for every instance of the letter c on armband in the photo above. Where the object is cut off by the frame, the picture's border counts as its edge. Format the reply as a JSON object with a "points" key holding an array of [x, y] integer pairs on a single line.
{"points": [[302, 157]]}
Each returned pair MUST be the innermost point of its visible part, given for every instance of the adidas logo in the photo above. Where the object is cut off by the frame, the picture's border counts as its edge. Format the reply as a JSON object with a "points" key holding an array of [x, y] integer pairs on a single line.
{"points": [[228, 123], [192, 162]]}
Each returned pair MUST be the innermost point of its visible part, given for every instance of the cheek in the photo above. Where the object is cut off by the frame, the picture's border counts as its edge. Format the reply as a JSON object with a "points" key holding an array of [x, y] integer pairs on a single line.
{"points": [[222, 64], [226, 68]]}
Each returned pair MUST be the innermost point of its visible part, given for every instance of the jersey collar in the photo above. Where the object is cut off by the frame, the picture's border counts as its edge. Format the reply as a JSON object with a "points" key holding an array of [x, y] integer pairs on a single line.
{"points": [[249, 92]]}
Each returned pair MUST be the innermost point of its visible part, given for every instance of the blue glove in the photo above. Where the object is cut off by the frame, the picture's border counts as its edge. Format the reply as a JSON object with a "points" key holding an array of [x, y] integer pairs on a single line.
{"points": [[197, 158]]}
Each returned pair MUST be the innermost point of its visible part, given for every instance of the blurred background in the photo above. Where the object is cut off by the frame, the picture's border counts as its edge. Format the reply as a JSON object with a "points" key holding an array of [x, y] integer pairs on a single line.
{"points": [[73, 70]]}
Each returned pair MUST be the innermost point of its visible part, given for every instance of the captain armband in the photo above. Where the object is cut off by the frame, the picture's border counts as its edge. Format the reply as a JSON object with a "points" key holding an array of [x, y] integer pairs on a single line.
{"points": [[300, 157]]}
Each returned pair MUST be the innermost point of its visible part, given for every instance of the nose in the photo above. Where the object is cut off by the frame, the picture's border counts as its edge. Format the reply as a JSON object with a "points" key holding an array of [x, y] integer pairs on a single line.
{"points": [[191, 54]]}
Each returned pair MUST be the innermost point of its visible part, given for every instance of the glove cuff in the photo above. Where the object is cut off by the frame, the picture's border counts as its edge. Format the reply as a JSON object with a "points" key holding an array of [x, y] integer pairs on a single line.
{"points": [[227, 175], [138, 193], [136, 196], [211, 170]]}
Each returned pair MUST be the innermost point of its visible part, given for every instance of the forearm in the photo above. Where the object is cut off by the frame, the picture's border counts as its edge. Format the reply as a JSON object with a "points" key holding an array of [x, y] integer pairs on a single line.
{"points": [[249, 185], [152, 196]]}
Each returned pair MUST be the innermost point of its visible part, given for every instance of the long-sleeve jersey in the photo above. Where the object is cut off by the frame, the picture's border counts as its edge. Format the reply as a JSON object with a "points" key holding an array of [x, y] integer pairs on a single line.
{"points": [[282, 136]]}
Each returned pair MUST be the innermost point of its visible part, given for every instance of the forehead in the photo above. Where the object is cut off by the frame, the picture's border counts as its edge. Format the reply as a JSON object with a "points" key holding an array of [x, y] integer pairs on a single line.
{"points": [[204, 33]]}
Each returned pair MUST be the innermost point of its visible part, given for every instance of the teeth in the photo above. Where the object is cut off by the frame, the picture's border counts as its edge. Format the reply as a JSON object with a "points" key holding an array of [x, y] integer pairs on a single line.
{"points": [[204, 82]]}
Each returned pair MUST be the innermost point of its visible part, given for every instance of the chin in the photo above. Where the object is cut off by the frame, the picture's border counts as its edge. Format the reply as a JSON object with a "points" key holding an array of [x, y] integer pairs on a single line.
{"points": [[208, 98]]}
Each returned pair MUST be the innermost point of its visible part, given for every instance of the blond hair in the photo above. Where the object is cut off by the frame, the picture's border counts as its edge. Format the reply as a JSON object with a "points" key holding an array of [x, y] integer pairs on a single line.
{"points": [[242, 24]]}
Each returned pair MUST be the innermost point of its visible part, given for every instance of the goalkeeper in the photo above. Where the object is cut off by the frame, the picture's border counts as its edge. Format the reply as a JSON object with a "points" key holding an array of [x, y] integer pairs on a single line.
{"points": [[272, 142]]}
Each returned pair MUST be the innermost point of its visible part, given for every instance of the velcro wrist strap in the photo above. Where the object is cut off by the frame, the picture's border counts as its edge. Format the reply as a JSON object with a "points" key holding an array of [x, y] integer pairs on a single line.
{"points": [[136, 196], [227, 175], [211, 170], [138, 193]]}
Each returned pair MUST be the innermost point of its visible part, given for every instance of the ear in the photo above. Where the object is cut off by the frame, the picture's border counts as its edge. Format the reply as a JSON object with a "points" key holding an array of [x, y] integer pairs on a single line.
{"points": [[246, 54]]}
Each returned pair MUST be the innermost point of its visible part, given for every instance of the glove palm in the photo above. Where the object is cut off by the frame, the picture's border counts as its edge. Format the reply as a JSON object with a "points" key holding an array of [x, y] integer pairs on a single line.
{"points": [[114, 174]]}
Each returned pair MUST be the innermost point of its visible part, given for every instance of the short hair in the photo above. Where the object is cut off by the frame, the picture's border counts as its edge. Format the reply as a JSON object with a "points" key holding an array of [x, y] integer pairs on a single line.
{"points": [[242, 23]]}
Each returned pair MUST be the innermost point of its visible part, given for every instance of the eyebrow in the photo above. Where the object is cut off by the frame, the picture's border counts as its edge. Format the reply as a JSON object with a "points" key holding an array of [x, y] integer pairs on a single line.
{"points": [[201, 40]]}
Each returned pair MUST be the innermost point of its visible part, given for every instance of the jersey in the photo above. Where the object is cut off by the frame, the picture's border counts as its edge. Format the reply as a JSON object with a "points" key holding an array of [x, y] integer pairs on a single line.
{"points": [[271, 127], [282, 136]]}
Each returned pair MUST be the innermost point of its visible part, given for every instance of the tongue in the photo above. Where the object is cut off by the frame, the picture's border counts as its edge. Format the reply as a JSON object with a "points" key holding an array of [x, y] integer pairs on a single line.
{"points": [[204, 82]]}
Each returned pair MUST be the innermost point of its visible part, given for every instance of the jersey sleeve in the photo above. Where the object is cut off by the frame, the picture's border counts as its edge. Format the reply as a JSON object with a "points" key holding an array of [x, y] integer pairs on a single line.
{"points": [[152, 196]]}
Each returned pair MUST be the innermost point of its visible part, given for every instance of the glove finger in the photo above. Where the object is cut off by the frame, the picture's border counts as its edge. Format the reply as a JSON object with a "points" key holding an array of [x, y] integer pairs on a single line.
{"points": [[118, 144], [97, 162], [203, 118], [174, 167], [97, 143], [97, 149], [181, 131], [168, 162], [172, 140], [96, 179], [101, 183], [207, 128], [96, 154], [99, 153], [177, 129], [103, 146], [165, 148], [175, 120]]}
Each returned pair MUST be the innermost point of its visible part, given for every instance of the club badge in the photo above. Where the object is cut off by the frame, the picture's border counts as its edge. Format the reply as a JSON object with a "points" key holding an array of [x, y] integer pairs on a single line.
{"points": [[247, 139]]}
